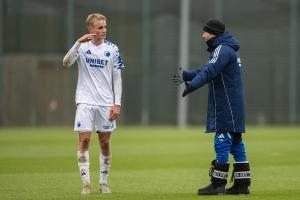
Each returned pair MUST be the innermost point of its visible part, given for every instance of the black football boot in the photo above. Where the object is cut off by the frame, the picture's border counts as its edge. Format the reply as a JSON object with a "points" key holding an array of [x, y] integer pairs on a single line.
{"points": [[242, 180], [218, 173]]}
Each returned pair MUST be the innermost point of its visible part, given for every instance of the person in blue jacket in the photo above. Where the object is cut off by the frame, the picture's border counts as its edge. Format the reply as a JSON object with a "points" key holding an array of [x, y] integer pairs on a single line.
{"points": [[225, 113]]}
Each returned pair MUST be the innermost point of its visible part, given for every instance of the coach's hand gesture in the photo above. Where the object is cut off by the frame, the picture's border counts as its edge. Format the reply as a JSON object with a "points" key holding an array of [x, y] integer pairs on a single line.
{"points": [[177, 78]]}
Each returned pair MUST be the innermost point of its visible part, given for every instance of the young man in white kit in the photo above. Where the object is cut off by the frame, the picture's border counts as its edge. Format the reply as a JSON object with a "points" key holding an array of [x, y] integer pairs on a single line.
{"points": [[98, 95]]}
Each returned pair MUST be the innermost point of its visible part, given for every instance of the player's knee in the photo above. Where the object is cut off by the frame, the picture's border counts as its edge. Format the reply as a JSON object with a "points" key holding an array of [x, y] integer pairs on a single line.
{"points": [[104, 142], [84, 143], [236, 138]]}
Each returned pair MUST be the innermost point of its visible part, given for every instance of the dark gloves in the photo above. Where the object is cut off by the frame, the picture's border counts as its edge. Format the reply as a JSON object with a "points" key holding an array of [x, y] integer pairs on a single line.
{"points": [[178, 79], [187, 89]]}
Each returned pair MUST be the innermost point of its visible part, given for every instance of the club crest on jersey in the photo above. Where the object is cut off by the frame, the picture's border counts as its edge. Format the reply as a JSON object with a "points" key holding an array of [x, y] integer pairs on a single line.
{"points": [[107, 53]]}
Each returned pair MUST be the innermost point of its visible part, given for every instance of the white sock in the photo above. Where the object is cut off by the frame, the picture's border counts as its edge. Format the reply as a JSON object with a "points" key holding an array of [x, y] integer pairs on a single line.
{"points": [[84, 165], [104, 168]]}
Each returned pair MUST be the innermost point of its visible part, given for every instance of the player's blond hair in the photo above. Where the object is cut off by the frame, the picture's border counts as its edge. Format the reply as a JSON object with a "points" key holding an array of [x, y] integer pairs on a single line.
{"points": [[92, 17]]}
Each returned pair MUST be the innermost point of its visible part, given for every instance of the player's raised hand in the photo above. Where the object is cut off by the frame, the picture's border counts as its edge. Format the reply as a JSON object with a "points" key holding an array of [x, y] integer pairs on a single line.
{"points": [[177, 78], [86, 38]]}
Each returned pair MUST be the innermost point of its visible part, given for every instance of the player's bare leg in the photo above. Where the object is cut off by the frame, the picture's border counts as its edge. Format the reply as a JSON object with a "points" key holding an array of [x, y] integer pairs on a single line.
{"points": [[83, 161], [105, 160]]}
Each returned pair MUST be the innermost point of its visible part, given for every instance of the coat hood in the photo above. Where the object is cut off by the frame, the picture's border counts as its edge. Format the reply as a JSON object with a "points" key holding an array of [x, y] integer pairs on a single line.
{"points": [[225, 39]]}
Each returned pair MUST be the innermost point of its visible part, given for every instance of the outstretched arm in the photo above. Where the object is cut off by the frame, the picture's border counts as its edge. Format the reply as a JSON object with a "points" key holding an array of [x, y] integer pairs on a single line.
{"points": [[188, 75], [71, 56], [185, 75], [209, 71]]}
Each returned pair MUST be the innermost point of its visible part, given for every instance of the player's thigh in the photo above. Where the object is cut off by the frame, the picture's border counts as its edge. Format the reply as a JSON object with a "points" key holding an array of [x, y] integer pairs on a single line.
{"points": [[84, 136], [102, 122], [84, 118]]}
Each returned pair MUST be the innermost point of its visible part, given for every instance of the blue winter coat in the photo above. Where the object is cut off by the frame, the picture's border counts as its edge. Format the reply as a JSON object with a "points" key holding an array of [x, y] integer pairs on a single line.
{"points": [[225, 94]]}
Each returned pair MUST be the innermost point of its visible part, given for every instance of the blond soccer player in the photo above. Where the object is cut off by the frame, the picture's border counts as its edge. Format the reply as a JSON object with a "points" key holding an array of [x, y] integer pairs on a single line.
{"points": [[98, 96]]}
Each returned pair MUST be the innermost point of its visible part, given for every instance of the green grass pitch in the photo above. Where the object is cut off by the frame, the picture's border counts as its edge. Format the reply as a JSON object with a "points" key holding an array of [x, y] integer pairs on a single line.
{"points": [[148, 163]]}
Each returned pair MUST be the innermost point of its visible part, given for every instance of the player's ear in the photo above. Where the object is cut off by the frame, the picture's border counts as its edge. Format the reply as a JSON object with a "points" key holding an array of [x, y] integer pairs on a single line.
{"points": [[89, 28]]}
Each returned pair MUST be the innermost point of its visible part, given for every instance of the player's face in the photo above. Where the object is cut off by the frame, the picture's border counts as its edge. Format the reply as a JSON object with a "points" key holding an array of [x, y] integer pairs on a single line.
{"points": [[207, 36], [98, 28]]}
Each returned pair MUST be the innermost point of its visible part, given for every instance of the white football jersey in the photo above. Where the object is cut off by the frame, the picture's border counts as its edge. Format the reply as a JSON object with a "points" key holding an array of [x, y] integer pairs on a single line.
{"points": [[95, 73]]}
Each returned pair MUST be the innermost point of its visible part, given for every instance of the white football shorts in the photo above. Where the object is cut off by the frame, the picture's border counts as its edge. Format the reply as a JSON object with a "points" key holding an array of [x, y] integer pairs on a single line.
{"points": [[93, 118]]}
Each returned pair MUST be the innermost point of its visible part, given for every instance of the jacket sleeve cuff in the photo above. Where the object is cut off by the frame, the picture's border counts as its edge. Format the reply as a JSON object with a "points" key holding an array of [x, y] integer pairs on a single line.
{"points": [[188, 75]]}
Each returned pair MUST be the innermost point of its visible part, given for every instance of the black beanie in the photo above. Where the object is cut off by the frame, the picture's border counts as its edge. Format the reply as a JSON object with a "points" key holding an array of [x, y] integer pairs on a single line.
{"points": [[214, 26]]}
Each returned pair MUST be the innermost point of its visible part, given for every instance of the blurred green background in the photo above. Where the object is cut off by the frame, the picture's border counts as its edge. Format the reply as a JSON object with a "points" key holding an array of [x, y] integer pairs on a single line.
{"points": [[155, 37]]}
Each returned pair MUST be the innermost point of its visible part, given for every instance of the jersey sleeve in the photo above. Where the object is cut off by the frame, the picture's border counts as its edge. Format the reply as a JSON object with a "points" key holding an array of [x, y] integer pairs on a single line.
{"points": [[71, 56], [117, 80], [118, 61]]}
